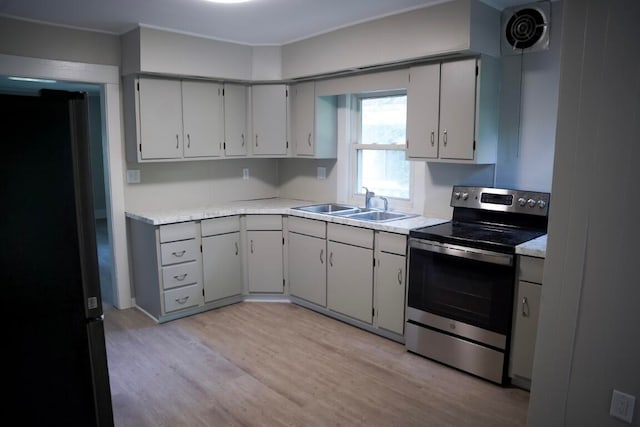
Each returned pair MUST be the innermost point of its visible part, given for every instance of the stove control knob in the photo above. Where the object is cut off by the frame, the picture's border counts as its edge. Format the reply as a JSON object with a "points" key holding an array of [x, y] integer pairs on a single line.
{"points": [[542, 204], [456, 195], [465, 196], [531, 202], [522, 201]]}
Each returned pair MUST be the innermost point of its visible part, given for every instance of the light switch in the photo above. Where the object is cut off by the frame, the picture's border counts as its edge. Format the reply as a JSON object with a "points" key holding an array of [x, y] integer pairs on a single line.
{"points": [[322, 172], [622, 406], [245, 173], [133, 176]]}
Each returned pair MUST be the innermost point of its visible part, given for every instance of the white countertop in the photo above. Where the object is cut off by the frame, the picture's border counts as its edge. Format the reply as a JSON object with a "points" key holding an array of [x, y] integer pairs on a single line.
{"points": [[275, 206], [536, 247]]}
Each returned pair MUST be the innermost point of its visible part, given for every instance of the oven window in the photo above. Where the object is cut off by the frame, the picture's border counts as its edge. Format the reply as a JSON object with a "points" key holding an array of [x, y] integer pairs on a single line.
{"points": [[470, 291]]}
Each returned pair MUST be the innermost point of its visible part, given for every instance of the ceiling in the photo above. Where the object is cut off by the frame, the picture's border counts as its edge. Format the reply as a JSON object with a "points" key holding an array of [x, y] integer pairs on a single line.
{"points": [[259, 22]]}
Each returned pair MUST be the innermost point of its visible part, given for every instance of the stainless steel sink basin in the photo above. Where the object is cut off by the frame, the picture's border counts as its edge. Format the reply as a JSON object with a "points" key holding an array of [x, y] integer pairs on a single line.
{"points": [[328, 208], [380, 216]]}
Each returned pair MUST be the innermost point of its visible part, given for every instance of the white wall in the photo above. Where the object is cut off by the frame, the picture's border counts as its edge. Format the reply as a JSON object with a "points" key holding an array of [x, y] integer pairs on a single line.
{"points": [[589, 334], [298, 179], [528, 119], [200, 183]]}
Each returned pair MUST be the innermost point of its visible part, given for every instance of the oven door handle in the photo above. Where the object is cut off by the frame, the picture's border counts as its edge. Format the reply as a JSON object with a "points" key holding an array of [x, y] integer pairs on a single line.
{"points": [[462, 252]]}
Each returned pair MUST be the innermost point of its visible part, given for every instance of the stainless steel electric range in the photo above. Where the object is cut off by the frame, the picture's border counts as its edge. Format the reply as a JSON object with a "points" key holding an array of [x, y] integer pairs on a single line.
{"points": [[462, 276]]}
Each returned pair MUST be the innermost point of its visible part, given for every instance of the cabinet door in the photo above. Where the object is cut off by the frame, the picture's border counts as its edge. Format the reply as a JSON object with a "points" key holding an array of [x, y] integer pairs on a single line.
{"points": [[265, 261], [307, 268], [235, 120], [350, 280], [203, 119], [160, 115], [423, 104], [303, 118], [457, 109], [269, 113], [390, 291], [525, 329], [222, 266]]}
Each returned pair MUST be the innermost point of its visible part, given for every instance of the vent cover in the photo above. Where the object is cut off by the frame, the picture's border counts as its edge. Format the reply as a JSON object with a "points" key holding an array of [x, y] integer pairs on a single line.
{"points": [[525, 28]]}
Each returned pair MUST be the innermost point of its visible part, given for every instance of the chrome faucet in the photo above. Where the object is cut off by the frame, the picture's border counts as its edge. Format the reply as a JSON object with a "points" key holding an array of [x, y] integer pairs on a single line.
{"points": [[367, 197], [386, 202]]}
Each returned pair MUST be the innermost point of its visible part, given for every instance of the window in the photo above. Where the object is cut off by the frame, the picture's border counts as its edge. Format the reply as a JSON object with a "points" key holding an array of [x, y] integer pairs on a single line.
{"points": [[379, 148]]}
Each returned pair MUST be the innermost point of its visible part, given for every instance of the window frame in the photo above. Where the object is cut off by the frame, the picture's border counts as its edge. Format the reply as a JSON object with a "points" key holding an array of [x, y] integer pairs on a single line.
{"points": [[357, 194]]}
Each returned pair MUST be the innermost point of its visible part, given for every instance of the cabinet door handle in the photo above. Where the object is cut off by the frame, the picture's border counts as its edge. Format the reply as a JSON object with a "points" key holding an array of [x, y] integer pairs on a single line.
{"points": [[399, 276], [181, 277], [309, 139], [331, 259], [252, 246], [188, 141], [179, 254], [242, 137], [321, 256], [444, 137], [256, 139], [182, 300], [525, 307], [177, 142], [433, 138], [236, 243]]}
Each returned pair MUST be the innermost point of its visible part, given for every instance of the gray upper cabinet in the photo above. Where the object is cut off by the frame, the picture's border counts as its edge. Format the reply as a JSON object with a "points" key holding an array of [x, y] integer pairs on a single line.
{"points": [[269, 117], [313, 123], [170, 120], [452, 112], [235, 119]]}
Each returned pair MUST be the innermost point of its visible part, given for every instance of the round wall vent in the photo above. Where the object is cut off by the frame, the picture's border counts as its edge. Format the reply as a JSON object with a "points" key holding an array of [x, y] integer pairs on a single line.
{"points": [[525, 29]]}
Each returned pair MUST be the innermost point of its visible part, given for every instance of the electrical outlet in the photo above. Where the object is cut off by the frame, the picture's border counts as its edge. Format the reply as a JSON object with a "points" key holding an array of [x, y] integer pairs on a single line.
{"points": [[133, 176], [322, 172], [245, 173], [622, 406]]}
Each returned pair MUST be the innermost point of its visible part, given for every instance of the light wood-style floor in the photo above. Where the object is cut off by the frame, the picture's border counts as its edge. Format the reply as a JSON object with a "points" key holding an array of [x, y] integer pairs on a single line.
{"points": [[278, 364]]}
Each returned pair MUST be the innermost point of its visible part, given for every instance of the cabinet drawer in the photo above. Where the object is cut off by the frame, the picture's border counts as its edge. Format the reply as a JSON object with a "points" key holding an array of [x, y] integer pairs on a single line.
{"points": [[181, 298], [310, 227], [182, 251], [178, 231], [362, 237], [228, 224], [392, 243], [181, 274], [264, 222], [531, 269]]}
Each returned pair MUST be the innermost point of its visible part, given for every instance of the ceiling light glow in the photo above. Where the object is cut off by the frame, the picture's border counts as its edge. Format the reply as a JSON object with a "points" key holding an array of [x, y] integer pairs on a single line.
{"points": [[29, 79], [228, 1]]}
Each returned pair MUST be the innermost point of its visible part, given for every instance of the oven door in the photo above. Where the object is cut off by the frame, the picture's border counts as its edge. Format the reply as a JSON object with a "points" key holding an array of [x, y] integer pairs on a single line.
{"points": [[465, 284]]}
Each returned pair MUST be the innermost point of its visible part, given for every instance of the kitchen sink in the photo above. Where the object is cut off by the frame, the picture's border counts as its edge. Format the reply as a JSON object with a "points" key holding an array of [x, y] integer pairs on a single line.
{"points": [[328, 208], [379, 216]]}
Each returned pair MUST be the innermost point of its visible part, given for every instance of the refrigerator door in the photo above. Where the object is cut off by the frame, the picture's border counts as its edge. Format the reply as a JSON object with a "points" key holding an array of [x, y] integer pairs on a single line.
{"points": [[56, 365]]}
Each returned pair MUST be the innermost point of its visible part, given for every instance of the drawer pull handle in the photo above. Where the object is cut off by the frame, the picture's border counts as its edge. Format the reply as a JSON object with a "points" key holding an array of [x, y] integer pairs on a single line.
{"points": [[179, 254], [399, 276], [252, 246], [321, 256], [433, 139], [181, 277], [182, 300], [331, 259], [525, 307], [236, 243], [444, 137]]}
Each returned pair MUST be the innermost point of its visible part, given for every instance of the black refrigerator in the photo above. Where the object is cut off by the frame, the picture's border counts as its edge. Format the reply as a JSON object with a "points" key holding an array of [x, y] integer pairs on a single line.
{"points": [[55, 371]]}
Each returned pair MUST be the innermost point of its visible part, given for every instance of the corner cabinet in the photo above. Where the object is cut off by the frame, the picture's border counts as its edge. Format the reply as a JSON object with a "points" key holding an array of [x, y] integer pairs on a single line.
{"points": [[526, 314], [265, 270], [167, 268], [170, 120], [313, 123], [221, 258], [453, 110], [269, 107]]}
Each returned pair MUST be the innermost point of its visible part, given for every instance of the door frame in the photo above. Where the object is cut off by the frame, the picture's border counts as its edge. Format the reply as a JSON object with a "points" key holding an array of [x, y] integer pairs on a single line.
{"points": [[108, 77]]}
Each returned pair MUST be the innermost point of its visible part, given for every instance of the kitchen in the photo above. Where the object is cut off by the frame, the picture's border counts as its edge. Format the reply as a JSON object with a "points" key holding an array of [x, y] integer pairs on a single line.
{"points": [[171, 180]]}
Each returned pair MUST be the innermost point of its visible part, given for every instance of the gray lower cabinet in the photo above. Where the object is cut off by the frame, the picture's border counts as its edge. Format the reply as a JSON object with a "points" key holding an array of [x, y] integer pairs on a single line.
{"points": [[308, 260], [525, 327], [167, 268], [265, 243], [350, 271], [221, 258], [390, 281]]}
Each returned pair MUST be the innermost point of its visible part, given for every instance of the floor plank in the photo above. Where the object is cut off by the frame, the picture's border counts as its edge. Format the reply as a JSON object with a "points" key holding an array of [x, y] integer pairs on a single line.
{"points": [[278, 364]]}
